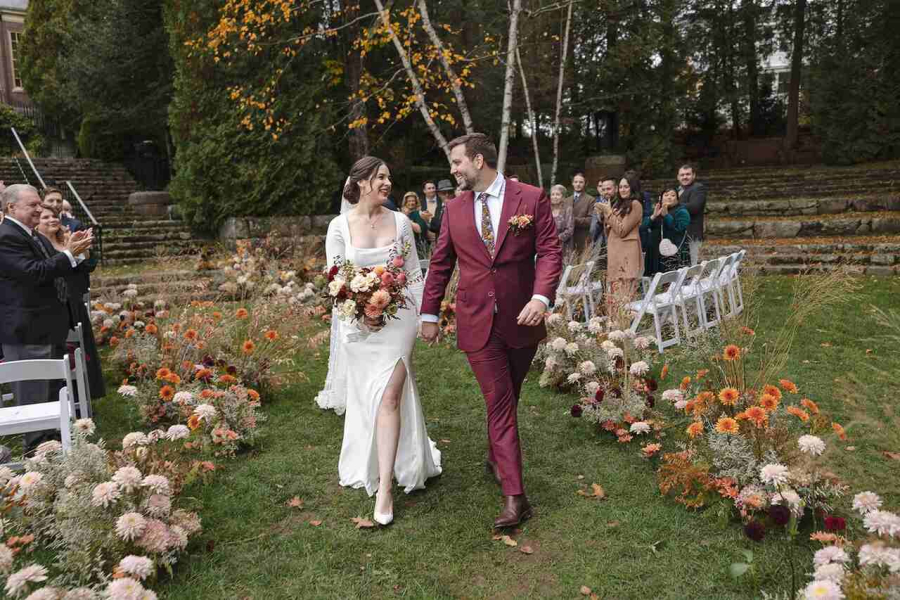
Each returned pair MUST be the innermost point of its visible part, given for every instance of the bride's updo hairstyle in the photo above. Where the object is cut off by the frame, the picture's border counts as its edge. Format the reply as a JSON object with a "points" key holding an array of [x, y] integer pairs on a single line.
{"points": [[364, 169]]}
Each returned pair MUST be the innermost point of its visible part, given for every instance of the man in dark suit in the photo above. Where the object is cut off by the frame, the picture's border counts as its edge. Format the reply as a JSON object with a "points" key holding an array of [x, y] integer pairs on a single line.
{"points": [[445, 191], [693, 197], [583, 210], [34, 310]]}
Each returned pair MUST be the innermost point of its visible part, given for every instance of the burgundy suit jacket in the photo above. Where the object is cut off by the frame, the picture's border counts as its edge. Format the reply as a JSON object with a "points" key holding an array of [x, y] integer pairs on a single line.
{"points": [[523, 265]]}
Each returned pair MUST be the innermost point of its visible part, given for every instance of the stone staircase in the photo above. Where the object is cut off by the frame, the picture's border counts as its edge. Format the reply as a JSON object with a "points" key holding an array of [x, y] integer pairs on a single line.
{"points": [[792, 219], [104, 188]]}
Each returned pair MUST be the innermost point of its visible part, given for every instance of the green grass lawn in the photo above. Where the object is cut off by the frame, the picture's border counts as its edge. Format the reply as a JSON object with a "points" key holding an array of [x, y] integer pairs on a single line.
{"points": [[635, 544]]}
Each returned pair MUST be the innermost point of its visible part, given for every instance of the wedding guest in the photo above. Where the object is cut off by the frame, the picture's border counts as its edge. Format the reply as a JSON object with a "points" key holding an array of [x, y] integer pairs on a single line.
{"points": [[669, 220], [582, 205], [54, 197], [622, 220], [67, 209], [77, 284], [34, 314], [410, 208], [607, 189], [562, 214], [693, 196], [430, 205]]}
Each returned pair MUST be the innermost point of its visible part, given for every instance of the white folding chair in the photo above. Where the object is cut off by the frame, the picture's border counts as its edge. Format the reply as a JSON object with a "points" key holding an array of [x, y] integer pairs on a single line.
{"points": [[44, 415], [735, 292], [576, 283], [707, 288], [76, 336], [722, 283], [660, 301], [689, 296]]}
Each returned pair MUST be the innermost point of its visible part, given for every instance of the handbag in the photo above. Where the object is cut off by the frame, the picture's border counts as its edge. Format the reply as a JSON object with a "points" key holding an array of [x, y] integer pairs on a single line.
{"points": [[666, 247]]}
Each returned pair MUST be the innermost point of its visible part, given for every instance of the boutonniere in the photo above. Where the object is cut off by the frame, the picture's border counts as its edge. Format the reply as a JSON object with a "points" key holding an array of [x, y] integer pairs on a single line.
{"points": [[520, 223]]}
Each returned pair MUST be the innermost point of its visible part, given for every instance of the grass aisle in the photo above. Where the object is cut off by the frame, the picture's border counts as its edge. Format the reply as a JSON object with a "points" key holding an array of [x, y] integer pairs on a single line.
{"points": [[635, 544]]}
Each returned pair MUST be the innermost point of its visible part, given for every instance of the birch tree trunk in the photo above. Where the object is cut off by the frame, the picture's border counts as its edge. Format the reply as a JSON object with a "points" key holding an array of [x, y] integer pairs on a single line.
{"points": [[455, 81], [793, 112], [414, 80], [559, 90], [509, 79], [533, 119]]}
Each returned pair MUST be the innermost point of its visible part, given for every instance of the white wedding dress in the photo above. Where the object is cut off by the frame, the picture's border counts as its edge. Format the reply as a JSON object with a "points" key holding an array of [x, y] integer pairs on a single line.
{"points": [[365, 362]]}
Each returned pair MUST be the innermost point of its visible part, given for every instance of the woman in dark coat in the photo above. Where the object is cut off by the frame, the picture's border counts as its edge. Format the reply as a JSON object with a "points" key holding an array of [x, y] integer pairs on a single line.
{"points": [[670, 220]]}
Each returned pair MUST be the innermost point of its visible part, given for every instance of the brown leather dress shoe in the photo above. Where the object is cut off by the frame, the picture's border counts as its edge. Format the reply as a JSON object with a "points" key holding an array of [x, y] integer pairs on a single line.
{"points": [[491, 468], [515, 510]]}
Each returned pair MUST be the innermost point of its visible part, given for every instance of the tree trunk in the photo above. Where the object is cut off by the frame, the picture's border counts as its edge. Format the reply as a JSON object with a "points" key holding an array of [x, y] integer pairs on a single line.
{"points": [[533, 119], [559, 91], [840, 20], [413, 80], [455, 81], [509, 79], [793, 112], [731, 80], [359, 136], [751, 64]]}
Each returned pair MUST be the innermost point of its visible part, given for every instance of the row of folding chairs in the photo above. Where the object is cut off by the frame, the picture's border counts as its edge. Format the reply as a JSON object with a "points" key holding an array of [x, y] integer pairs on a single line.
{"points": [[579, 283], [711, 291]]}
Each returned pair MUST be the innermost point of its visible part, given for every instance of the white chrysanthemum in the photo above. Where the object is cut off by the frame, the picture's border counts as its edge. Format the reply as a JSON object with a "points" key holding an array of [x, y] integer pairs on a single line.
{"points": [[591, 387], [640, 427], [18, 581], [139, 324], [830, 554], [680, 404], [157, 483], [109, 323], [6, 558], [5, 475], [882, 522], [158, 505], [105, 493], [135, 438], [182, 398], [45, 593], [641, 342], [595, 326], [188, 521], [72, 480], [85, 426], [178, 432], [774, 474], [334, 287], [124, 588], [811, 444], [348, 308], [639, 369], [865, 502], [29, 481], [80, 594], [140, 567], [614, 353], [587, 368], [128, 391], [130, 293], [178, 537], [672, 395], [113, 306], [550, 363], [128, 478], [571, 348], [574, 326], [360, 283], [573, 377], [607, 345], [823, 590], [787, 497], [558, 344], [130, 526], [148, 595], [831, 572], [48, 447], [207, 412], [879, 555], [554, 319], [616, 335], [156, 435]]}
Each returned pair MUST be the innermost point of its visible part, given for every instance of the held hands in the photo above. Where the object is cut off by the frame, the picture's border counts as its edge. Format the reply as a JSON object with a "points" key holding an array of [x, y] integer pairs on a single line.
{"points": [[430, 332], [533, 313]]}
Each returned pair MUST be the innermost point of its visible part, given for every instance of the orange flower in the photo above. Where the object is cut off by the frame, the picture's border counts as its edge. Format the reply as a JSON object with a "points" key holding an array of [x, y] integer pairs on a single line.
{"points": [[151, 329], [190, 335], [702, 373], [650, 450], [227, 379], [207, 393], [129, 333], [695, 429], [248, 347], [788, 386], [810, 406], [113, 341], [104, 330], [732, 352], [772, 391], [799, 413], [271, 335], [747, 331], [729, 396], [254, 395], [167, 393], [163, 373], [176, 327], [193, 422], [664, 372], [741, 416], [768, 402], [173, 378], [758, 415], [705, 397], [727, 425], [241, 313], [186, 365], [217, 315], [685, 383], [690, 406], [839, 431]]}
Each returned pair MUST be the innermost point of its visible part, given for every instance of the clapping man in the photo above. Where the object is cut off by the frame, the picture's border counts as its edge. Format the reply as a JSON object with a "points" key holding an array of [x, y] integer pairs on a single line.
{"points": [[693, 197], [445, 191], [431, 205], [34, 310], [607, 189], [582, 205], [54, 198]]}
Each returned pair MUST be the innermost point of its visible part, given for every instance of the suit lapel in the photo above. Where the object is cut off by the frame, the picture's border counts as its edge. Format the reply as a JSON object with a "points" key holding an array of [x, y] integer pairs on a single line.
{"points": [[512, 197], [31, 241]]}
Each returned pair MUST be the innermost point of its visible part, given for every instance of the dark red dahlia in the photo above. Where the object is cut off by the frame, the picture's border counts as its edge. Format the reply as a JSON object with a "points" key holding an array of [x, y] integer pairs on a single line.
{"points": [[576, 410], [755, 530], [332, 272], [598, 397], [231, 370], [833, 523], [780, 514], [651, 384], [208, 361], [651, 401], [615, 392]]}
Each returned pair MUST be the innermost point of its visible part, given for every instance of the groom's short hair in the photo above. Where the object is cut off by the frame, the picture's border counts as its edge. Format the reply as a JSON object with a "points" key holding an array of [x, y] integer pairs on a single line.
{"points": [[477, 143]]}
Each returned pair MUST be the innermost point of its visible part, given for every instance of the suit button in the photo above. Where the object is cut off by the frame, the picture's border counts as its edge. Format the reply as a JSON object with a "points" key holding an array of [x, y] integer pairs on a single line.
{"points": [[491, 294]]}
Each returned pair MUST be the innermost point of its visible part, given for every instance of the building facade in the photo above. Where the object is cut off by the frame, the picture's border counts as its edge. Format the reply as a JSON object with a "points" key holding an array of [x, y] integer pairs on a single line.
{"points": [[12, 24]]}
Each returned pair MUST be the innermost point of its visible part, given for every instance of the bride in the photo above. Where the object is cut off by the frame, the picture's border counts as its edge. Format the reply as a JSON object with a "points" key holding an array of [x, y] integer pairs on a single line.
{"points": [[384, 428]]}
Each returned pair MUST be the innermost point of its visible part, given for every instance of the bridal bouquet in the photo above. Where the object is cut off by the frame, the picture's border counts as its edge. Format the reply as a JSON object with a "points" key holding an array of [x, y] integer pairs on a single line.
{"points": [[377, 292]]}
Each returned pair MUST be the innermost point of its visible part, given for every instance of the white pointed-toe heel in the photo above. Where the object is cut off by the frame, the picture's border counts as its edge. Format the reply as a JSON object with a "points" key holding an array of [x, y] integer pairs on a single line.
{"points": [[382, 518]]}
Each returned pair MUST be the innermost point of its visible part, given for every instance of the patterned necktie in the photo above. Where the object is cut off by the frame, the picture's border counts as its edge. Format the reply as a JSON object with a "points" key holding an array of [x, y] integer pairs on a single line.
{"points": [[62, 290], [487, 228]]}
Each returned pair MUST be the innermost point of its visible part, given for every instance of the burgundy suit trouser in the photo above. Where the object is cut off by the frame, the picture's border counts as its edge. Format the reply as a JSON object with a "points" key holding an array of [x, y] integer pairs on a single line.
{"points": [[500, 371]]}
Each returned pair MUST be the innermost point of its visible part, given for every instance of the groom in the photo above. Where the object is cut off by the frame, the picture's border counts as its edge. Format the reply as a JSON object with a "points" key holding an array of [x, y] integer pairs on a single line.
{"points": [[508, 278]]}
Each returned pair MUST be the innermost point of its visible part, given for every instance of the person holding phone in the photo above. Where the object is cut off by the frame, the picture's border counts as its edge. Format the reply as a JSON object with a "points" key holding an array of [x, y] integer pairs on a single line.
{"points": [[668, 223]]}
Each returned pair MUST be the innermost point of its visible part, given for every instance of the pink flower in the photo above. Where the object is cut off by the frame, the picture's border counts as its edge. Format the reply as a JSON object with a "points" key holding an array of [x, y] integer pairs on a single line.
{"points": [[398, 261], [372, 311], [380, 298], [401, 278], [387, 279]]}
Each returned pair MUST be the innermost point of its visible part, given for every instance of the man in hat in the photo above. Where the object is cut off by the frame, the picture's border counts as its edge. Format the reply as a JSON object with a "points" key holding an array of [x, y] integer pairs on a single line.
{"points": [[445, 191]]}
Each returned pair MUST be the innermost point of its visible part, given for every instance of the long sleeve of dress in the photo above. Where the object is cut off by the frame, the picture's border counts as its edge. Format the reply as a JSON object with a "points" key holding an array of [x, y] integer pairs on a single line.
{"points": [[625, 225], [335, 246], [568, 225], [414, 280]]}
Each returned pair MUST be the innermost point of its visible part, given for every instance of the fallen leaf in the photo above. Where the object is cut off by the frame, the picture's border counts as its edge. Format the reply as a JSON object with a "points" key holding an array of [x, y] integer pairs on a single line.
{"points": [[581, 477], [295, 502], [445, 441], [805, 362], [526, 550], [894, 455], [826, 344], [585, 590], [362, 523], [279, 486], [506, 540], [612, 523], [850, 448], [315, 523], [596, 492]]}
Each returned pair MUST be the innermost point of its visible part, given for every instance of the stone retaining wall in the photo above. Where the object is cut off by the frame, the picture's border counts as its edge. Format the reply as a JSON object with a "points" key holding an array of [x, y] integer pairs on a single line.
{"points": [[789, 229]]}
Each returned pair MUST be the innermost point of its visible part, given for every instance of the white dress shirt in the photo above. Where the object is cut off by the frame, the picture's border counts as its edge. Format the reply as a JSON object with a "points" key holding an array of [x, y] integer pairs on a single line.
{"points": [[495, 195], [431, 204], [30, 233]]}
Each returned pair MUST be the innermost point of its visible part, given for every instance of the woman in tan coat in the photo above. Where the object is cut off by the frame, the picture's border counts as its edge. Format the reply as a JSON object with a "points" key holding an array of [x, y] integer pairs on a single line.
{"points": [[622, 220]]}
